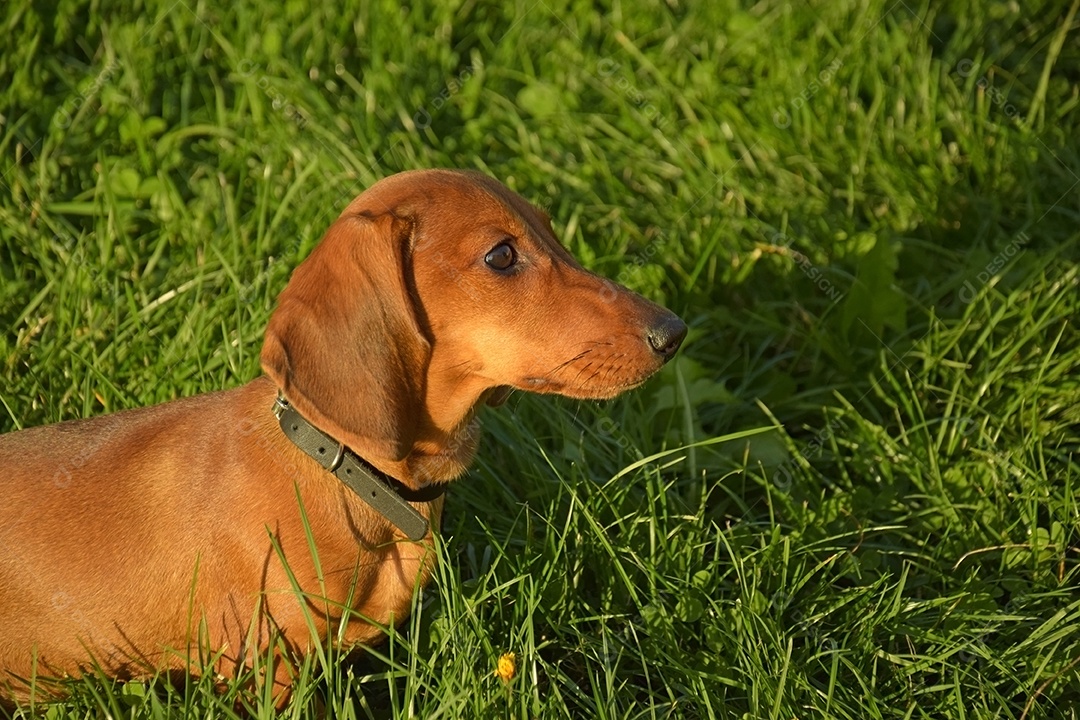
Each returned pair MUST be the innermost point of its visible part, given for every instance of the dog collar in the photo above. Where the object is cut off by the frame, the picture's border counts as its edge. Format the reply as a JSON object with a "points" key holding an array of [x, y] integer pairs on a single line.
{"points": [[387, 496]]}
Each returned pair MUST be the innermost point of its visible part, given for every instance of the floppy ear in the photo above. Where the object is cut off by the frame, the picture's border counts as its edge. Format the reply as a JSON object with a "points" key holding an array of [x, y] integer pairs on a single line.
{"points": [[344, 343]]}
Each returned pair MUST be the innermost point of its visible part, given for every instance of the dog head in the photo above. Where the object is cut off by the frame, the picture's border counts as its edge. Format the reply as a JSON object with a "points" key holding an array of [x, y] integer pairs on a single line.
{"points": [[436, 291]]}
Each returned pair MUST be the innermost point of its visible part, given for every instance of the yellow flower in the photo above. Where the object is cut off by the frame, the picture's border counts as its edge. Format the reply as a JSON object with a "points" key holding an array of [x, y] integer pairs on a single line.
{"points": [[504, 669]]}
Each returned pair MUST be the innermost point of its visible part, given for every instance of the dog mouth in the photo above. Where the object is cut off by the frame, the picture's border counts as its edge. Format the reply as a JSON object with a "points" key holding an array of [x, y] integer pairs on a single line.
{"points": [[599, 372], [598, 379], [584, 391]]}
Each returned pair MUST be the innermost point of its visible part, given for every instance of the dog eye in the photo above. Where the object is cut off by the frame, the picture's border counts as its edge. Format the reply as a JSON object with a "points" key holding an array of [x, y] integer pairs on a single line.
{"points": [[501, 257]]}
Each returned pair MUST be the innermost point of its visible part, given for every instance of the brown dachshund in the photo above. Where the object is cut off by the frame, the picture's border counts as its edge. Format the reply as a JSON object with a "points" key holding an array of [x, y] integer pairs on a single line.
{"points": [[435, 292]]}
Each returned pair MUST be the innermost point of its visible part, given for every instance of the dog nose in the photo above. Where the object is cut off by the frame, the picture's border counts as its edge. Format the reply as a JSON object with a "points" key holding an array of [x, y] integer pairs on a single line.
{"points": [[666, 336]]}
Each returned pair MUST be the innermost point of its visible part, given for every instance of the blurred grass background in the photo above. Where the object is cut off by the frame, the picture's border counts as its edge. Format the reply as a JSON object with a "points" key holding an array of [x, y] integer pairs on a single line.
{"points": [[866, 210]]}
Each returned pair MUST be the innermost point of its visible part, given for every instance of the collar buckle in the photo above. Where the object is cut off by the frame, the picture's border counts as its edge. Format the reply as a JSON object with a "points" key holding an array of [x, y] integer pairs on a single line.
{"points": [[280, 405]]}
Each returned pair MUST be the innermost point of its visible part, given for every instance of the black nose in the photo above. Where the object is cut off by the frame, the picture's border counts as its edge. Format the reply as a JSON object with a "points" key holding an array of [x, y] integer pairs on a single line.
{"points": [[666, 335]]}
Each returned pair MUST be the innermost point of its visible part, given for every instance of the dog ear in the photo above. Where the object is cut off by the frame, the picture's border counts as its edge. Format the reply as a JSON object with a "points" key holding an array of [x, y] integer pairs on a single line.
{"points": [[345, 344]]}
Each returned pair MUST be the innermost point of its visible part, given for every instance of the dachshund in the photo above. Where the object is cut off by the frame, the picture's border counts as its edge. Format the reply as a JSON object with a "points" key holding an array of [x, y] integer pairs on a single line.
{"points": [[136, 542]]}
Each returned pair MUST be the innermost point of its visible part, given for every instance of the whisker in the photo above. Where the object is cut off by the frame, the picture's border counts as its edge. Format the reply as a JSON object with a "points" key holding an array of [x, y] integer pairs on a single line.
{"points": [[574, 359], [583, 369]]}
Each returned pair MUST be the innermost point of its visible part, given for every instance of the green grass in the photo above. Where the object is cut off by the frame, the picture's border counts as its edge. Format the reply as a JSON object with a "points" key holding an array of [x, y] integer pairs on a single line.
{"points": [[867, 211]]}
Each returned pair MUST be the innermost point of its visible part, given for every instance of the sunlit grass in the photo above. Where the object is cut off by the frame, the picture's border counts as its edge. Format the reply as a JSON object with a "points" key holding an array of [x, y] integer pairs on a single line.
{"points": [[867, 212]]}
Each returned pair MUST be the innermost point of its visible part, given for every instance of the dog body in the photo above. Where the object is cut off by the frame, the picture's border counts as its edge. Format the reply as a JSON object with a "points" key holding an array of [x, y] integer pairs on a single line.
{"points": [[146, 537], [163, 519]]}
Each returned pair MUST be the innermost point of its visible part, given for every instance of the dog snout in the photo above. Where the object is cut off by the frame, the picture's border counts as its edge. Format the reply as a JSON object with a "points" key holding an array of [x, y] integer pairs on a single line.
{"points": [[666, 335]]}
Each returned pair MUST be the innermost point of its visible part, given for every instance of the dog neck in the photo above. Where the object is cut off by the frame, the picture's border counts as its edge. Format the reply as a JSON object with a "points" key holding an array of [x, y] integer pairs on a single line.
{"points": [[387, 496]]}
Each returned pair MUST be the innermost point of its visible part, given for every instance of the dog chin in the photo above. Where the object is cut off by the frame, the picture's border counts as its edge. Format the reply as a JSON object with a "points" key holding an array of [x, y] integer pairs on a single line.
{"points": [[587, 392]]}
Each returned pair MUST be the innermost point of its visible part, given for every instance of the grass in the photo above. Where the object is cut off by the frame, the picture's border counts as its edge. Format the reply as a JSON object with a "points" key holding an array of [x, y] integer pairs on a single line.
{"points": [[866, 210]]}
